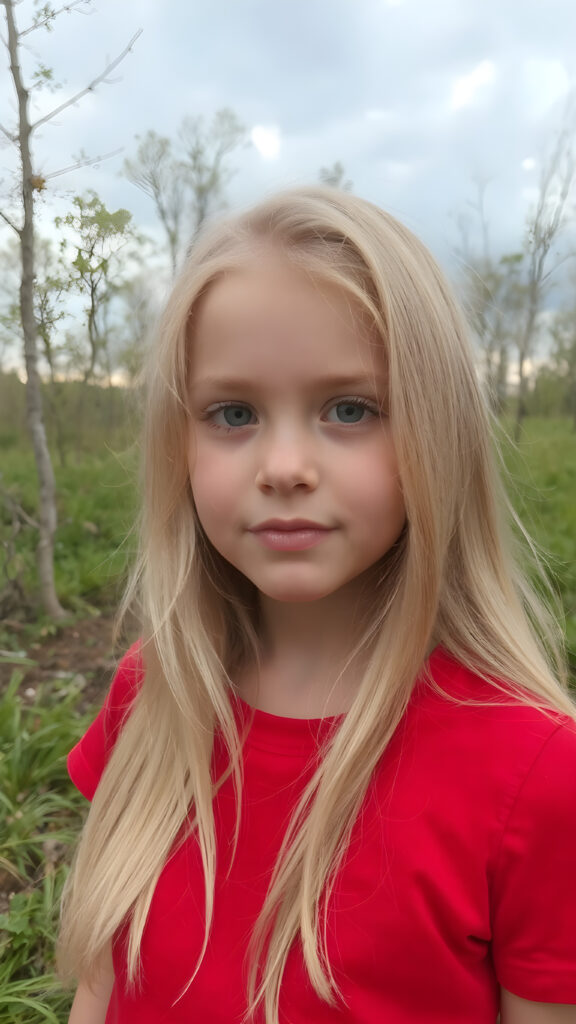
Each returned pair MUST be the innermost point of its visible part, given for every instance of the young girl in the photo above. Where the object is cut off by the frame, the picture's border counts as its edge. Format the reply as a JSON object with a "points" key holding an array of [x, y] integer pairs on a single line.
{"points": [[335, 781]]}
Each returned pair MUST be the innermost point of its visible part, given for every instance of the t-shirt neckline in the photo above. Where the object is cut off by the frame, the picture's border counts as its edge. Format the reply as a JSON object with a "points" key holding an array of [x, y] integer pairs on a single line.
{"points": [[281, 734]]}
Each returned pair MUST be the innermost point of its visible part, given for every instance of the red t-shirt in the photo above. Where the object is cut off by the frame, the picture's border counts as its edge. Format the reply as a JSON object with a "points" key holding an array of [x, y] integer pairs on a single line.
{"points": [[460, 875]]}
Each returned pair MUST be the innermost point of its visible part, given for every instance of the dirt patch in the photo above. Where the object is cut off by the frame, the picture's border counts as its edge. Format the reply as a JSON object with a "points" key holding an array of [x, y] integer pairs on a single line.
{"points": [[83, 649]]}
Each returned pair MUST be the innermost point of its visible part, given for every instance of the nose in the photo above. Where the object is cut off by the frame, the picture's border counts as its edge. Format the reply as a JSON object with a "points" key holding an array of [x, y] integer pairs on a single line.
{"points": [[288, 463]]}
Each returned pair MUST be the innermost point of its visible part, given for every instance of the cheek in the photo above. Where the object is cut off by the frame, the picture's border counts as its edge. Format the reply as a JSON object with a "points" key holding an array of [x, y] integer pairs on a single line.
{"points": [[213, 486], [372, 481]]}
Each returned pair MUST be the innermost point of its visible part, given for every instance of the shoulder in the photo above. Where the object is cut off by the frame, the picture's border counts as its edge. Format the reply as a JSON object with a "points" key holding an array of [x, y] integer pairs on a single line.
{"points": [[490, 711], [507, 772], [484, 746], [533, 892], [127, 680], [87, 760]]}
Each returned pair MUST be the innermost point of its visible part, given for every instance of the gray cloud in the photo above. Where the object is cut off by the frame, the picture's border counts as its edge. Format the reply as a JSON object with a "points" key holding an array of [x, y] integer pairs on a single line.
{"points": [[316, 69]]}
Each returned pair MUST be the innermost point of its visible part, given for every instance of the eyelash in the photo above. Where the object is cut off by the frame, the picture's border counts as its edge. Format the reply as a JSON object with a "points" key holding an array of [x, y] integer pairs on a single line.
{"points": [[212, 411]]}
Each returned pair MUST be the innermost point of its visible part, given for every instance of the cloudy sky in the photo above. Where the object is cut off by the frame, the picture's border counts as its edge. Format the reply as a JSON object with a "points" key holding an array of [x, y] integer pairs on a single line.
{"points": [[417, 99]]}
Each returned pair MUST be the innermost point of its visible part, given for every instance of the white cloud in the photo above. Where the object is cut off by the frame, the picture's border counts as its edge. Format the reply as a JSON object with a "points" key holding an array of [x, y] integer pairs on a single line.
{"points": [[466, 87], [546, 82], [266, 139]]}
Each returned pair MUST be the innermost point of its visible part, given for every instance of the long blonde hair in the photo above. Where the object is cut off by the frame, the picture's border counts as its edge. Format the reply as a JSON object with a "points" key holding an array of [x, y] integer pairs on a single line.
{"points": [[450, 580]]}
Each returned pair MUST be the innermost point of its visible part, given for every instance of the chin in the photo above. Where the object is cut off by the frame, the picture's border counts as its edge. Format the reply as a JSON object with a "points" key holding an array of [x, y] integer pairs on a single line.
{"points": [[296, 594], [296, 598]]}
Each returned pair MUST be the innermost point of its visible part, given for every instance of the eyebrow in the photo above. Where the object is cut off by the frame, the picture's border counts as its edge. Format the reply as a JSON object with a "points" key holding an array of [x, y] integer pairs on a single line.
{"points": [[335, 381]]}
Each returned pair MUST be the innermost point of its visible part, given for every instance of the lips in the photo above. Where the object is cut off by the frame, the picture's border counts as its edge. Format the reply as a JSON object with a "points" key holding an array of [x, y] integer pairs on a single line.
{"points": [[290, 535], [287, 525]]}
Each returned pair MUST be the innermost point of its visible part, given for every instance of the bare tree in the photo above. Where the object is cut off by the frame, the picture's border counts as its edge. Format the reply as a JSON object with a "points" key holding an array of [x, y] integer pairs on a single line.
{"points": [[22, 223], [161, 176], [187, 182], [543, 230], [141, 306], [335, 177], [207, 148], [495, 294]]}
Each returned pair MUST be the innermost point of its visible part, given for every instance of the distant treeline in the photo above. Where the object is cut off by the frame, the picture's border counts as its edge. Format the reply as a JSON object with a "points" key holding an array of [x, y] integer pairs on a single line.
{"points": [[79, 417]]}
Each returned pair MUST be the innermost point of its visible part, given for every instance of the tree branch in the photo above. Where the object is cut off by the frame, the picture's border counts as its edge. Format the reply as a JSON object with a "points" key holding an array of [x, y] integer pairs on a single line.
{"points": [[52, 15], [10, 223], [89, 161], [11, 138], [563, 259], [89, 88], [17, 509]]}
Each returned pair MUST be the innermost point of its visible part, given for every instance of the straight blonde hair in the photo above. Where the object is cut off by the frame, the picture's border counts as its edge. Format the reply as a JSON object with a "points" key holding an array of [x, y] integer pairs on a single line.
{"points": [[451, 579]]}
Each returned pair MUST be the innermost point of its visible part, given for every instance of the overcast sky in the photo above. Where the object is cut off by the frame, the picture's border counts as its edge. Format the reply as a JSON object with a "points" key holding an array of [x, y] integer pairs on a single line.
{"points": [[415, 98]]}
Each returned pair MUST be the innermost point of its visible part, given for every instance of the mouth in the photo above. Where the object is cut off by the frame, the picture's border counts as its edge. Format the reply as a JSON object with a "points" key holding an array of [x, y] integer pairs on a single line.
{"points": [[288, 526], [290, 534]]}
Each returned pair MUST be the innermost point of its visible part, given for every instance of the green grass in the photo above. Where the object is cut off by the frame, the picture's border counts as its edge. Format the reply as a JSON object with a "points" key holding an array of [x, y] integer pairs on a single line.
{"points": [[542, 472], [96, 507], [40, 817]]}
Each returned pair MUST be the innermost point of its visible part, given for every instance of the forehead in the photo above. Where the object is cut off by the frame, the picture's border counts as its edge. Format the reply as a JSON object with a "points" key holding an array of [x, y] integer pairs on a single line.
{"points": [[269, 318]]}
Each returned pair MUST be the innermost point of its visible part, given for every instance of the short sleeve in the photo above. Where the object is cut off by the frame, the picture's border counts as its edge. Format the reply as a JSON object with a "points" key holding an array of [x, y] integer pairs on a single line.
{"points": [[87, 760], [534, 918]]}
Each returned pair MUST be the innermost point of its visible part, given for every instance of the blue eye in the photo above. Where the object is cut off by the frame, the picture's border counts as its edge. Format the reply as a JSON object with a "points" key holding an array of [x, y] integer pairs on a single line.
{"points": [[350, 411], [232, 415]]}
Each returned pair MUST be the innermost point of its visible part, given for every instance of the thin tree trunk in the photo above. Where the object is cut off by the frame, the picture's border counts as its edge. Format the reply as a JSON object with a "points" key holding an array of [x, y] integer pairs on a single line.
{"points": [[501, 377], [521, 403], [53, 397], [524, 351], [34, 415]]}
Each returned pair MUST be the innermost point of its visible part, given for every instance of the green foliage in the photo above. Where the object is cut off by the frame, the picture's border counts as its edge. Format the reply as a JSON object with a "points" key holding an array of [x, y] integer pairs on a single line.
{"points": [[40, 816], [564, 357], [92, 417], [548, 394], [12, 412], [335, 177], [543, 474], [45, 14], [43, 77], [96, 508], [34, 799], [98, 236]]}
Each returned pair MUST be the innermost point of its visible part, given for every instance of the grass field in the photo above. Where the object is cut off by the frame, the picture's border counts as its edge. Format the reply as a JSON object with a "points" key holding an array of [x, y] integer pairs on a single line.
{"points": [[40, 812], [96, 508], [542, 486]]}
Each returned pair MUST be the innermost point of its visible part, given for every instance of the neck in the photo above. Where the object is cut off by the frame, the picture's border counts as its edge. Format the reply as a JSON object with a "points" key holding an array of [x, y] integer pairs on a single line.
{"points": [[307, 667]]}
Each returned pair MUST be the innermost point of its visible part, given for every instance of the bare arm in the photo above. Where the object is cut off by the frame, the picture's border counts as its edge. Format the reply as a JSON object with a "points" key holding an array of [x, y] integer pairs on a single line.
{"points": [[90, 1004], [523, 1011]]}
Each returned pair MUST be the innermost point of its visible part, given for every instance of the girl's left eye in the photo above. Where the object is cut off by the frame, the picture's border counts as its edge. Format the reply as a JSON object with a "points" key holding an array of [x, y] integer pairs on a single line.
{"points": [[351, 410]]}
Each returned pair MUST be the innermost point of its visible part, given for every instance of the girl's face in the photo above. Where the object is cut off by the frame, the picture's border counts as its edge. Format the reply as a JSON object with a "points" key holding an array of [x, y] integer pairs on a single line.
{"points": [[292, 467]]}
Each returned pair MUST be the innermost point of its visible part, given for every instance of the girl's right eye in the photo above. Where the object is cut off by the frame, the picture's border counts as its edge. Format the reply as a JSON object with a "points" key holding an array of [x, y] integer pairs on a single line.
{"points": [[228, 415]]}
